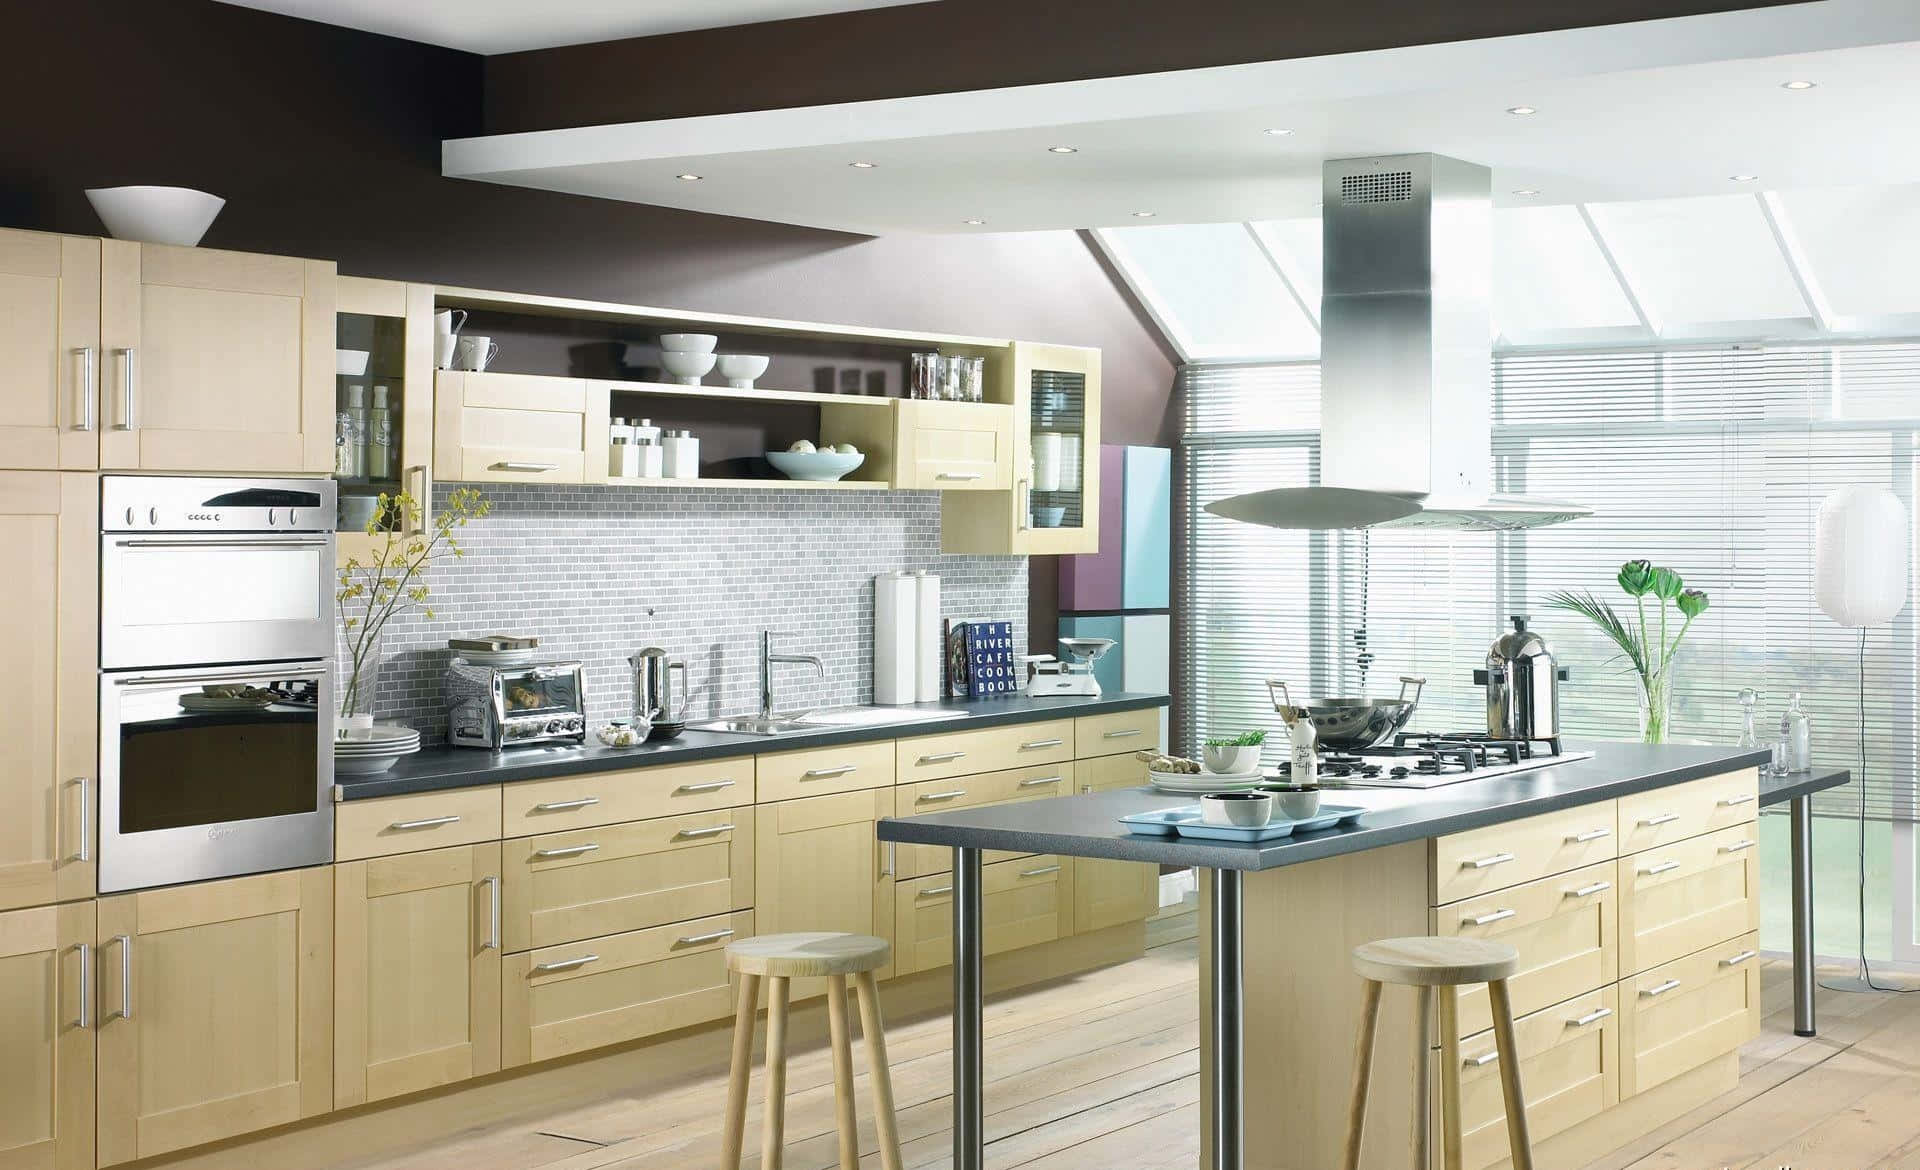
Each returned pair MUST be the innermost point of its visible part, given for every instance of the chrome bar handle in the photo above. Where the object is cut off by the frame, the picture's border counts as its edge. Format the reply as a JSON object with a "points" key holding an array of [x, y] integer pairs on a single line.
{"points": [[1026, 505], [126, 979], [887, 866], [936, 797], [960, 475], [492, 882], [86, 987], [1660, 988], [126, 390], [1483, 919], [1660, 867], [694, 940], [709, 786], [566, 851], [1591, 1017], [1739, 846], [709, 831], [424, 501], [85, 851], [1731, 801], [1736, 960], [566, 805], [1121, 733], [1039, 781], [942, 758], [88, 386], [1484, 862], [826, 773], [564, 964], [934, 891], [1589, 835], [427, 823], [1482, 1060], [1040, 871], [1659, 819], [519, 465], [1035, 745], [256, 544], [1587, 891]]}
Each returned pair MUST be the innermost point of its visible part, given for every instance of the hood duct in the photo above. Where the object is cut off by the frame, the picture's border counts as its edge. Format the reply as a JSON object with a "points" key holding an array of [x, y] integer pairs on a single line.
{"points": [[1406, 358]]}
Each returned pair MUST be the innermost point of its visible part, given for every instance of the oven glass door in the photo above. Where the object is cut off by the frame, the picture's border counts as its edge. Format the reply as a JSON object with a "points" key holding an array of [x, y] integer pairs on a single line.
{"points": [[540, 691], [176, 599], [211, 773]]}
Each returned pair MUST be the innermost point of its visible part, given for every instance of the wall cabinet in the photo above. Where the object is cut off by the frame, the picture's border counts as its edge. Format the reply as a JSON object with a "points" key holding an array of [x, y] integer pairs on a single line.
{"points": [[393, 323], [216, 1010], [50, 350], [47, 1016], [51, 522], [417, 942], [215, 361], [929, 445], [518, 428]]}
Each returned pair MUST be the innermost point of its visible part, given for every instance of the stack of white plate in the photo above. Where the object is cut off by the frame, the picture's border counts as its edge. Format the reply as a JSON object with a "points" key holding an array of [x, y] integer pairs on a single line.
{"points": [[1189, 783], [362, 753]]}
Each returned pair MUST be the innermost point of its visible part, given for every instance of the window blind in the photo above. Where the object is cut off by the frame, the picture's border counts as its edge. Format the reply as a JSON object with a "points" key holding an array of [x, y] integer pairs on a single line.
{"points": [[1711, 461]]}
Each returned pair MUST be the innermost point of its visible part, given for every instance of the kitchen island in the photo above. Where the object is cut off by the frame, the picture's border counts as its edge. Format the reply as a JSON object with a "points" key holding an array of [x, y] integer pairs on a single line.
{"points": [[1627, 881]]}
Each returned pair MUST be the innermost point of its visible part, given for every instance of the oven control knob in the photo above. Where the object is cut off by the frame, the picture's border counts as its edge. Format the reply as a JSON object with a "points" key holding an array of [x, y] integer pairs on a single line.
{"points": [[293, 517], [129, 517], [575, 723], [153, 517], [271, 518], [554, 727]]}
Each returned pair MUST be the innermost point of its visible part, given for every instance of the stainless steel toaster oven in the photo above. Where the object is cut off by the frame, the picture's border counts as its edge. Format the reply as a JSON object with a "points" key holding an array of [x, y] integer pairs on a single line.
{"points": [[507, 706]]}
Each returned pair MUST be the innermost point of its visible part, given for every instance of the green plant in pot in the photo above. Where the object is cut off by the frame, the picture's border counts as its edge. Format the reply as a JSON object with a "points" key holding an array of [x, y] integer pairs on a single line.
{"points": [[1648, 646], [1233, 755]]}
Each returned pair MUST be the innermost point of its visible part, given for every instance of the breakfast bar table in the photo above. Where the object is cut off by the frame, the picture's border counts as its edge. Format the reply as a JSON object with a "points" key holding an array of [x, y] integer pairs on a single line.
{"points": [[1088, 825]]}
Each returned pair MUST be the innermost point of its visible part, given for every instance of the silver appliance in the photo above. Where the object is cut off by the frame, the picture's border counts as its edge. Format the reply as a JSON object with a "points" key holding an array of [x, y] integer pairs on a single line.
{"points": [[653, 695], [216, 681], [1405, 358], [1350, 725], [1523, 687], [494, 707], [1432, 760]]}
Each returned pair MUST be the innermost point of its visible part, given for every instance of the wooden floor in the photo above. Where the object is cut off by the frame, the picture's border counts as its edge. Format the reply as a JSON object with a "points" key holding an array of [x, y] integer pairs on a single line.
{"points": [[1100, 1072]]}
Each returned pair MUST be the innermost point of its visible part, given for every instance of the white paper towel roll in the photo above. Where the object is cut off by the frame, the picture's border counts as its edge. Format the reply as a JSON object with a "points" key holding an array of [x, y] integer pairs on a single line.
{"points": [[927, 642], [895, 627]]}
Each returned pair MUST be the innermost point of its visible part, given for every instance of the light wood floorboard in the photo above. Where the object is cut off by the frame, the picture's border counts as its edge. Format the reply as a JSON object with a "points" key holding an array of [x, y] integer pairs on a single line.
{"points": [[1101, 1071]]}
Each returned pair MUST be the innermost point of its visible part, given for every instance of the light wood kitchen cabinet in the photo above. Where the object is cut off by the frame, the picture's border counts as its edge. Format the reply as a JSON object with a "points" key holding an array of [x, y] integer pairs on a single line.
{"points": [[415, 822], [988, 749], [823, 771], [817, 867], [610, 798], [1565, 928], [1023, 902], [1054, 390], [1120, 732], [1665, 815], [518, 428], [1682, 1014], [417, 943], [215, 361], [216, 1010], [51, 522], [1677, 896], [929, 445], [49, 351], [1107, 893], [1478, 861], [931, 796], [1569, 1072], [47, 1016], [393, 322]]}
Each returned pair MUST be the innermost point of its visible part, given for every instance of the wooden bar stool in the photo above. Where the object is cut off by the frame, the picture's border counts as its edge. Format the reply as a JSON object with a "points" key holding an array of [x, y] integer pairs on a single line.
{"points": [[1443, 965], [780, 958]]}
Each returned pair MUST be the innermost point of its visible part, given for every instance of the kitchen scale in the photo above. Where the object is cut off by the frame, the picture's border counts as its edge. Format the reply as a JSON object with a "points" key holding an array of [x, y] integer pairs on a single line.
{"points": [[1072, 672]]}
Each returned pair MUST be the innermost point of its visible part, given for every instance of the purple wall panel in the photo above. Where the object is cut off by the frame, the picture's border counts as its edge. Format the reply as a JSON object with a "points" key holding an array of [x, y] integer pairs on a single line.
{"points": [[1092, 581]]}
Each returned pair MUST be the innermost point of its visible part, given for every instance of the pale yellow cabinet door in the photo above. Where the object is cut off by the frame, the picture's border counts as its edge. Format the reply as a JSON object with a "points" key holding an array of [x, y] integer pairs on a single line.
{"points": [[216, 1005], [416, 971], [216, 361], [817, 867], [49, 351], [1107, 893], [46, 1037], [49, 520], [408, 313]]}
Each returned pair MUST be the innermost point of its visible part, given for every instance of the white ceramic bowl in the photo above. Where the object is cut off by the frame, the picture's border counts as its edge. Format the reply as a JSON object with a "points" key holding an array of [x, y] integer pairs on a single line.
{"points": [[156, 215], [350, 362], [1240, 810], [688, 342], [686, 368], [740, 369], [815, 466], [1228, 760], [1297, 804]]}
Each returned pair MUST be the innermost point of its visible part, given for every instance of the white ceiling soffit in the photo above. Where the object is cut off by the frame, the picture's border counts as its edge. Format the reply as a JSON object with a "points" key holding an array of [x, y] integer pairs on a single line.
{"points": [[510, 26], [1657, 109]]}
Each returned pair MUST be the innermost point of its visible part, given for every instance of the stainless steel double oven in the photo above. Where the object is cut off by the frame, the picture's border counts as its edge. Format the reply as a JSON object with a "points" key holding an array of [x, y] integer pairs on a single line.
{"points": [[216, 679]]}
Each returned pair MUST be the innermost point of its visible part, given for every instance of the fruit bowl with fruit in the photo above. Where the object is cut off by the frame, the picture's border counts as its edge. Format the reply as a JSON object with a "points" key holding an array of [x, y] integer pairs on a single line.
{"points": [[824, 463]]}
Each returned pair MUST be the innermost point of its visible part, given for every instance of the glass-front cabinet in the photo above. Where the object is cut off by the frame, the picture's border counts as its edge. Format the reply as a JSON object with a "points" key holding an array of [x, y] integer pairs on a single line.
{"points": [[1054, 507], [383, 407]]}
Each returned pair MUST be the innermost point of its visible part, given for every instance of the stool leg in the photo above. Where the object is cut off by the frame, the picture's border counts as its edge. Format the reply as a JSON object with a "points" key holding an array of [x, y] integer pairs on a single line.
{"points": [[869, 996], [1450, 1078], [735, 1130], [1362, 1072], [1422, 1087], [1517, 1140], [844, 1119], [773, 1131]]}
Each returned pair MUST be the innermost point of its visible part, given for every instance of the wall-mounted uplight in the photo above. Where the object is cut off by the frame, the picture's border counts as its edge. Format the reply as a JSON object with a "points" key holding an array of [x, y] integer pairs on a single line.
{"points": [[1744, 178], [1063, 150], [688, 178], [1527, 192], [1521, 111], [973, 222], [1798, 85], [1277, 131], [861, 166], [1144, 214]]}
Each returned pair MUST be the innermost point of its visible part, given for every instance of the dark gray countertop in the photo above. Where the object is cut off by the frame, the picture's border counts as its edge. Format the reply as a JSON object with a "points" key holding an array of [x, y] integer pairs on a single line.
{"points": [[1088, 826], [440, 767], [1774, 789]]}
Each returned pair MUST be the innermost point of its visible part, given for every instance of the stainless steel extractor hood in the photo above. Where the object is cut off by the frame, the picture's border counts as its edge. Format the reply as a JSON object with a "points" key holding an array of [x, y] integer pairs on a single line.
{"points": [[1406, 358]]}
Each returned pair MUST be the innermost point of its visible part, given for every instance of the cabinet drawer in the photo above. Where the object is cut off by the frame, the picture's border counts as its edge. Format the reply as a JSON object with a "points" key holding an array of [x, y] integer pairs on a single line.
{"points": [[404, 824], [824, 771], [561, 887], [1565, 928], [609, 798], [1682, 1014], [1022, 902], [1122, 731], [561, 1000], [1674, 898], [1569, 1072], [1665, 815], [954, 446], [1479, 861], [990, 749], [928, 796], [512, 428]]}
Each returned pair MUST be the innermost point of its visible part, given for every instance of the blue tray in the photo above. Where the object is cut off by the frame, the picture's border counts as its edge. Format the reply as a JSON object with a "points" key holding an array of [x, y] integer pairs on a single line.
{"points": [[1186, 821]]}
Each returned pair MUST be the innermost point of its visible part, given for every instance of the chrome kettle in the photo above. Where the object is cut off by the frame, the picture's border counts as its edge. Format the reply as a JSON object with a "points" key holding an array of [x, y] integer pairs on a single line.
{"points": [[1523, 686], [653, 698]]}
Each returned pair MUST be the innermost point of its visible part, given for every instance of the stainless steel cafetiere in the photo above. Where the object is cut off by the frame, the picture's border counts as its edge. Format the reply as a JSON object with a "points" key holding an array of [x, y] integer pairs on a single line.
{"points": [[653, 695], [1523, 687]]}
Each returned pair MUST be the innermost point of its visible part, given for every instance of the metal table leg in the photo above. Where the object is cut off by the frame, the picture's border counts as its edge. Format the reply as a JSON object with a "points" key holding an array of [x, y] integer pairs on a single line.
{"points": [[1800, 812], [969, 1124], [1229, 1134]]}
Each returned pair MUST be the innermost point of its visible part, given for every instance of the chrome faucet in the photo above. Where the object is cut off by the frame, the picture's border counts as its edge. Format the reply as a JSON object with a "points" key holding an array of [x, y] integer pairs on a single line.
{"points": [[768, 658]]}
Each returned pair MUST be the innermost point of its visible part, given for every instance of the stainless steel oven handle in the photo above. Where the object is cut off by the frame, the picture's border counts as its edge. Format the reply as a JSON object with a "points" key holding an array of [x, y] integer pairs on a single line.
{"points": [[196, 676], [264, 544]]}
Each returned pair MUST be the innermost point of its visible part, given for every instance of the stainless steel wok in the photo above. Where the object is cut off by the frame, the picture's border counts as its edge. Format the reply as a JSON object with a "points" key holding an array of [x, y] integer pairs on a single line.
{"points": [[1350, 725]]}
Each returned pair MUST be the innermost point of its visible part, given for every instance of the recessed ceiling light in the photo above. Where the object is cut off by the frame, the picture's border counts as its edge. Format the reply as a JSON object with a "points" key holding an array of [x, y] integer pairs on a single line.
{"points": [[1798, 84], [973, 222], [688, 178], [1279, 132], [1528, 191], [861, 166], [1521, 110], [1063, 150], [1744, 178], [1144, 214]]}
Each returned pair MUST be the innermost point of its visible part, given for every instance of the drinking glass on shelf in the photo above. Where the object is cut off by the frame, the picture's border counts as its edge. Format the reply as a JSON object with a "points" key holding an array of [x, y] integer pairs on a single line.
{"points": [[1778, 765], [973, 378], [925, 379], [952, 371]]}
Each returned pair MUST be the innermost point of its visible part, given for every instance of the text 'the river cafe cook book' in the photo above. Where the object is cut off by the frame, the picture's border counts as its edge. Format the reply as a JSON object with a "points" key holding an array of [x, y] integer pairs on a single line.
{"points": [[980, 660]]}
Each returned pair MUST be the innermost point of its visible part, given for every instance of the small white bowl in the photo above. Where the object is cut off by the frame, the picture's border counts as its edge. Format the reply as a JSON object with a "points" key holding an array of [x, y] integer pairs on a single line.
{"points": [[1297, 804], [1239, 810], [740, 369], [688, 342], [1229, 760], [156, 215], [350, 362], [686, 368]]}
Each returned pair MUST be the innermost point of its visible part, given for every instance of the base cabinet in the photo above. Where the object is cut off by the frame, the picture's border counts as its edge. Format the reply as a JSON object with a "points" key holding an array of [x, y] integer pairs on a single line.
{"points": [[46, 1037], [1107, 893], [817, 867], [416, 972], [216, 1010], [1569, 1073], [1023, 902]]}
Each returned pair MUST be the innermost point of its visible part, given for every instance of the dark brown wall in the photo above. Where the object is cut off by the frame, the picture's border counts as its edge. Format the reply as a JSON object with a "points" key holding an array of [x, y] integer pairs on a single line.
{"points": [[958, 45]]}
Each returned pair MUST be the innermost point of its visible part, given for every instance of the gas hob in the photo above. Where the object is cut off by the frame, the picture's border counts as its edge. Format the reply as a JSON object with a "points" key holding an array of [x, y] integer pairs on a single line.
{"points": [[1431, 759]]}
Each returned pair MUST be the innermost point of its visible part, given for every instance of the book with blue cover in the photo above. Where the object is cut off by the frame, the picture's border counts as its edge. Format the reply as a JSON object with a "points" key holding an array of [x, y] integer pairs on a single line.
{"points": [[990, 665]]}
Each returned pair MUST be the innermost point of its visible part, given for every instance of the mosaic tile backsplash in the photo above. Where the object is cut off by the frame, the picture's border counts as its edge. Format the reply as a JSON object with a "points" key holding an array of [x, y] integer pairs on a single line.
{"points": [[599, 572]]}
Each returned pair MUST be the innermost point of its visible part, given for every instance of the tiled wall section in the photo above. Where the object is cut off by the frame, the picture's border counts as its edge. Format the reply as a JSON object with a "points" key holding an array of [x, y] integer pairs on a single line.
{"points": [[597, 573]]}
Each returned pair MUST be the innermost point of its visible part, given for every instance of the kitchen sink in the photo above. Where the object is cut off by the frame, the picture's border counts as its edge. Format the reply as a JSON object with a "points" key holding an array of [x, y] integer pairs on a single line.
{"points": [[823, 720]]}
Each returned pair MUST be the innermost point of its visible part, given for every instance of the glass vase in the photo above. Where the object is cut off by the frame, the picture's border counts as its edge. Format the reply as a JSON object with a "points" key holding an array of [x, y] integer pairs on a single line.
{"points": [[360, 659], [1656, 705]]}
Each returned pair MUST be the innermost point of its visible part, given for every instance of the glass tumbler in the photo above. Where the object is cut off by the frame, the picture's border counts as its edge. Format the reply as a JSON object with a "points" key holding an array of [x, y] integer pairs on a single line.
{"points": [[925, 379]]}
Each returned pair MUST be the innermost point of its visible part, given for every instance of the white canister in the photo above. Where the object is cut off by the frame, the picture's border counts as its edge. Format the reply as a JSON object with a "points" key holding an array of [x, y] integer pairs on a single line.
{"points": [[644, 429], [1046, 461], [1069, 463], [649, 457], [929, 645], [894, 624], [682, 456]]}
